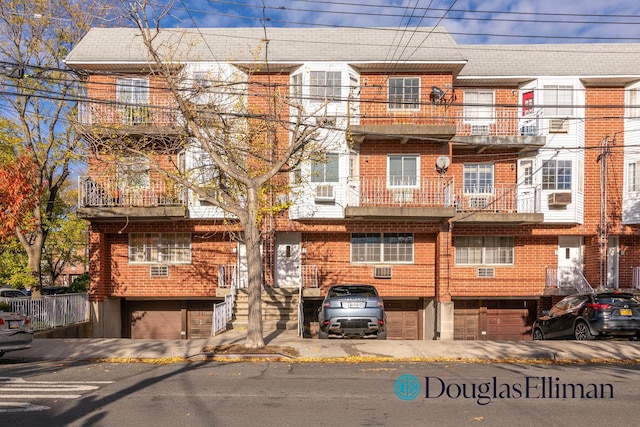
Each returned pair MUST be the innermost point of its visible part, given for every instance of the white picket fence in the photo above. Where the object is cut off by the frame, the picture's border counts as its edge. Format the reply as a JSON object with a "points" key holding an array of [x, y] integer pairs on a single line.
{"points": [[50, 311], [222, 313]]}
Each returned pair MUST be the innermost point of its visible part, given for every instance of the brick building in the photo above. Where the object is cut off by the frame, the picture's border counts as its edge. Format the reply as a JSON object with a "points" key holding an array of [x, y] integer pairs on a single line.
{"points": [[471, 184]]}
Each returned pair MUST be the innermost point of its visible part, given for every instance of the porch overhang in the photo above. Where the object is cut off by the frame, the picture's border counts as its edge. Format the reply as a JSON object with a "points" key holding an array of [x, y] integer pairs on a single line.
{"points": [[519, 143], [402, 132], [116, 212], [506, 218], [398, 213]]}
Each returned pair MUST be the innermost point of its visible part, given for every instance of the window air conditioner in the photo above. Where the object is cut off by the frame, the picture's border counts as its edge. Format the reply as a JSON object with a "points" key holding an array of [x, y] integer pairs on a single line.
{"points": [[559, 199], [558, 125], [382, 272], [486, 273], [159, 271], [479, 129]]}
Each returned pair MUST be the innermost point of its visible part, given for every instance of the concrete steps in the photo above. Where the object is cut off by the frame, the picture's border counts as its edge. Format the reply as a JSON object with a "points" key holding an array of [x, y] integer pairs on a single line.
{"points": [[279, 309]]}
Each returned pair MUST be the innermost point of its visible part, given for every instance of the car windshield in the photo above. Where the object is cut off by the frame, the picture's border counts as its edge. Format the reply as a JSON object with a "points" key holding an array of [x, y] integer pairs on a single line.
{"points": [[366, 291]]}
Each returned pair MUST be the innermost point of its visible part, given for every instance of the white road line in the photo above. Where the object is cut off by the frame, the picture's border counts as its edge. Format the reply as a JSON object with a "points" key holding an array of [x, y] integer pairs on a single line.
{"points": [[21, 407]]}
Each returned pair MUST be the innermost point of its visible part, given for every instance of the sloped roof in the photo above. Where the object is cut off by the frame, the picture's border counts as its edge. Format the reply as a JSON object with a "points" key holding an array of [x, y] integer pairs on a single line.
{"points": [[595, 61], [285, 45]]}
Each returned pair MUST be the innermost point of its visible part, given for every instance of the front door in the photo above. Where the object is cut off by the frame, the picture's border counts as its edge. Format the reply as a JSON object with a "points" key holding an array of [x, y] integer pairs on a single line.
{"points": [[288, 260], [569, 260], [612, 262]]}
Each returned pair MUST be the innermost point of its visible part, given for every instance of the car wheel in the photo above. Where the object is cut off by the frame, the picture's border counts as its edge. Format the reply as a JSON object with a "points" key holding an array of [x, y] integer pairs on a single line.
{"points": [[537, 334], [382, 335], [582, 333], [323, 335]]}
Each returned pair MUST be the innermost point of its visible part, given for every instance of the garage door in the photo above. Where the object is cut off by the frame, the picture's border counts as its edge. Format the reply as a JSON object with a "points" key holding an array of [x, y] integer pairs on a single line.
{"points": [[508, 324], [200, 319], [403, 319], [466, 324], [155, 319]]}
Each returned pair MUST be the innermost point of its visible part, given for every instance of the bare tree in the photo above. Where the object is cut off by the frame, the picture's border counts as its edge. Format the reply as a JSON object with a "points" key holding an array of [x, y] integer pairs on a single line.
{"points": [[243, 131]]}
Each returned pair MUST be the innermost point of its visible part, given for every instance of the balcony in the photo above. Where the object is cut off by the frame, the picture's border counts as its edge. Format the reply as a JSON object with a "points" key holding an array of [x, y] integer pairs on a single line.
{"points": [[156, 115], [503, 204], [103, 197], [505, 129], [429, 199]]}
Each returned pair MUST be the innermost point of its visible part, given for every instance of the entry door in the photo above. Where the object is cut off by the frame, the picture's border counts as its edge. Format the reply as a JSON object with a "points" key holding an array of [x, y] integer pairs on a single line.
{"points": [[288, 260], [527, 199], [612, 261], [569, 260]]}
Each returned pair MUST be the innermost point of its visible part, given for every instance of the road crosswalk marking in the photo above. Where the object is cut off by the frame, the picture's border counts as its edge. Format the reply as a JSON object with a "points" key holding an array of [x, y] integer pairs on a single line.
{"points": [[18, 388]]}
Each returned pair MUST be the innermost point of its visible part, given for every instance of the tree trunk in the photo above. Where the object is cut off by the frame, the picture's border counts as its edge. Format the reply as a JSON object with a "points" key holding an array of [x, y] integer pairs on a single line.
{"points": [[253, 241]]}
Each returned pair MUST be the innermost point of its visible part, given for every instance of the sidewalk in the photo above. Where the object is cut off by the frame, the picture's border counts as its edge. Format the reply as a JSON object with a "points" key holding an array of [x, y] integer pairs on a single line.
{"points": [[310, 349]]}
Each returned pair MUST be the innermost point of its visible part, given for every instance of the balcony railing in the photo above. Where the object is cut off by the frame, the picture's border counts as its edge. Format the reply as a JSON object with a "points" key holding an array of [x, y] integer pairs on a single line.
{"points": [[425, 192], [157, 111], [499, 199], [567, 278], [107, 191], [503, 122]]}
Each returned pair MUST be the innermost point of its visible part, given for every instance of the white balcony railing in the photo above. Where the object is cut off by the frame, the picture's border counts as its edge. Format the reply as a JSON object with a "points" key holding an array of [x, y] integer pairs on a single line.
{"points": [[499, 199], [108, 191], [156, 111], [502, 122], [425, 192]]}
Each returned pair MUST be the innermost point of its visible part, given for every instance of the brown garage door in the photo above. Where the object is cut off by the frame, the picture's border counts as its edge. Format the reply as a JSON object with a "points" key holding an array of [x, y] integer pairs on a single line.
{"points": [[466, 324], [200, 319], [403, 319], [508, 324], [155, 320]]}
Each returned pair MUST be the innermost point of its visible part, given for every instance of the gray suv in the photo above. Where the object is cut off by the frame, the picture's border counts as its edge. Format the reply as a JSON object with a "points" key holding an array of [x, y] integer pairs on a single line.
{"points": [[352, 311]]}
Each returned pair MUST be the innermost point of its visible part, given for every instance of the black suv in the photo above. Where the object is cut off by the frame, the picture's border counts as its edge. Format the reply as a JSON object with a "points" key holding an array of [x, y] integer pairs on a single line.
{"points": [[587, 316], [352, 311]]}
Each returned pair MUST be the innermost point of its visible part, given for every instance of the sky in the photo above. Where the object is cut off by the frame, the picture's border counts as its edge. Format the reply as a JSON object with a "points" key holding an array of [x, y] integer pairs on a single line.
{"points": [[468, 21]]}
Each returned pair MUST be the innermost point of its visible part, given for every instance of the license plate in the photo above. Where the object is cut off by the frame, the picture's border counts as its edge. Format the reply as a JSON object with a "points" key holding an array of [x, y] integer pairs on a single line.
{"points": [[625, 312], [13, 324], [354, 305]]}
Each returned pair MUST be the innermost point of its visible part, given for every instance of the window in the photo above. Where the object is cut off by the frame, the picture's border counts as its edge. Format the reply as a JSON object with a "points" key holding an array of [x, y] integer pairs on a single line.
{"points": [[633, 177], [404, 93], [386, 247], [326, 85], [634, 103], [526, 172], [296, 87], [556, 175], [479, 106], [133, 172], [484, 250], [478, 178], [167, 248], [325, 169], [403, 171], [132, 98], [558, 101]]}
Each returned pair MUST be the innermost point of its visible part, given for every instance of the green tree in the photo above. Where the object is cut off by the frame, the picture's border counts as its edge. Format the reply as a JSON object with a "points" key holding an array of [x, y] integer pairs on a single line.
{"points": [[35, 37]]}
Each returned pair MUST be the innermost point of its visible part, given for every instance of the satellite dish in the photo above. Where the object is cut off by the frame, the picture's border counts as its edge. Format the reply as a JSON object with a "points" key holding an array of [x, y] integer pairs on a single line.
{"points": [[442, 163], [437, 94]]}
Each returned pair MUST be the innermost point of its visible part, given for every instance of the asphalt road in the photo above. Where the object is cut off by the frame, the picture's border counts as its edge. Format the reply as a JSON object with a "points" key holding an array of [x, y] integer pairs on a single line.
{"points": [[312, 394]]}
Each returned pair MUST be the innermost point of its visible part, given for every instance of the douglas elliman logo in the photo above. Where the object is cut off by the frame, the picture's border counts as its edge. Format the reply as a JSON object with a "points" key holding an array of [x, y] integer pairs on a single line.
{"points": [[408, 387]]}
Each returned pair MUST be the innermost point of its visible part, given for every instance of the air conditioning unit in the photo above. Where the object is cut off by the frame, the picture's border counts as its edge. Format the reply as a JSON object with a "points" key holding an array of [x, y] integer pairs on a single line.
{"points": [[403, 196], [559, 199], [558, 125], [382, 272], [479, 129], [325, 193], [486, 273], [477, 202], [159, 271]]}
